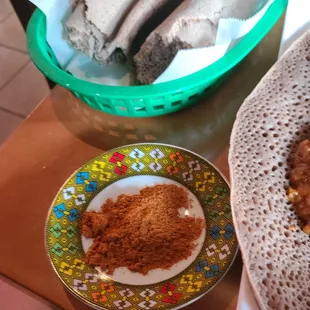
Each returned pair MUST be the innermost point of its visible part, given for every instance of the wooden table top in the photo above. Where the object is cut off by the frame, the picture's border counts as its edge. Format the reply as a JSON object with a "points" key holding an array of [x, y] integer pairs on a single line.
{"points": [[62, 134]]}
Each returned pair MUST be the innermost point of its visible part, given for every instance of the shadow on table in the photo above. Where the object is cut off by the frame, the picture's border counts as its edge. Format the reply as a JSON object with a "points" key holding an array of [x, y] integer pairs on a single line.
{"points": [[203, 128], [75, 302]]}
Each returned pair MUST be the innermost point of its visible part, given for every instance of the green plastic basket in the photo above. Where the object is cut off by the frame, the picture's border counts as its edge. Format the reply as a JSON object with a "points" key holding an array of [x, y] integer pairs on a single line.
{"points": [[149, 100]]}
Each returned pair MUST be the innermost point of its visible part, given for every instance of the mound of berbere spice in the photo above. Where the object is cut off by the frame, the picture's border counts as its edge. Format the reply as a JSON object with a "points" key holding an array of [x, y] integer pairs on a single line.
{"points": [[142, 232]]}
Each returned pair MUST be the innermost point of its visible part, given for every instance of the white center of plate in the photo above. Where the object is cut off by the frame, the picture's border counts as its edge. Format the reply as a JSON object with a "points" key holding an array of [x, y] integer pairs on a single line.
{"points": [[131, 186]]}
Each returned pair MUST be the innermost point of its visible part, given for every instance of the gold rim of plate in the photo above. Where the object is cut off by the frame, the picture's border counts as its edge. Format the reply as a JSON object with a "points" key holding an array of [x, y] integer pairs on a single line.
{"points": [[63, 239]]}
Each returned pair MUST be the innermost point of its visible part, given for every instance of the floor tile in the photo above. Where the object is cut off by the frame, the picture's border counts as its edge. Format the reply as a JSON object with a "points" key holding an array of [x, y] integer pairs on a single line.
{"points": [[10, 63], [12, 33], [5, 9], [32, 88], [13, 298], [8, 122]]}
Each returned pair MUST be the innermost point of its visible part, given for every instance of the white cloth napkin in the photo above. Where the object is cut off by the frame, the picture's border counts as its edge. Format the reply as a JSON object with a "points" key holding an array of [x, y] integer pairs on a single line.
{"points": [[297, 21]]}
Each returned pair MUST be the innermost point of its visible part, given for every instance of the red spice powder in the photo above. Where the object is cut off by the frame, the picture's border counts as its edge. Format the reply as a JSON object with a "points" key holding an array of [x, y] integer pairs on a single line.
{"points": [[142, 232]]}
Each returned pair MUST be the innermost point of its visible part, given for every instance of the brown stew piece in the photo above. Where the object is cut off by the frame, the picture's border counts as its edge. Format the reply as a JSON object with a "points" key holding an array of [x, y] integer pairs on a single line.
{"points": [[299, 193]]}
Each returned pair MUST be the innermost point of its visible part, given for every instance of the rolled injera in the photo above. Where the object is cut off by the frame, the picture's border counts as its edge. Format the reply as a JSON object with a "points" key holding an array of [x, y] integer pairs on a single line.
{"points": [[140, 13], [94, 23], [78, 33], [193, 24]]}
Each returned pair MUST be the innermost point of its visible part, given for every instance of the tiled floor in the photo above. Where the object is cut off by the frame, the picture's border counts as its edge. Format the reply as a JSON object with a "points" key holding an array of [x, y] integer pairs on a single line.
{"points": [[22, 87]]}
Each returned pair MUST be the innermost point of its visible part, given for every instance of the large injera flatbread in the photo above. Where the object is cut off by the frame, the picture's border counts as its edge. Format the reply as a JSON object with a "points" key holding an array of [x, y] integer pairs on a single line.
{"points": [[269, 125]]}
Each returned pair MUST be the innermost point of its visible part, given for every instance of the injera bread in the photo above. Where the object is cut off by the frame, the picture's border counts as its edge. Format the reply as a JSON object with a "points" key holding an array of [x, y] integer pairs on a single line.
{"points": [[139, 14], [193, 24], [108, 15], [94, 23], [269, 125], [78, 33]]}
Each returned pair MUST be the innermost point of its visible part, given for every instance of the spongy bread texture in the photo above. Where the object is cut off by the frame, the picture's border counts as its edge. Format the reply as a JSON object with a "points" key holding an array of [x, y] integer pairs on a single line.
{"points": [[108, 15], [193, 24], [269, 125], [78, 33], [94, 23], [139, 14]]}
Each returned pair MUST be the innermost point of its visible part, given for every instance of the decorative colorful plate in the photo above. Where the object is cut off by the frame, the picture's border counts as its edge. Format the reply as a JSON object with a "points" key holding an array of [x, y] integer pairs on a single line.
{"points": [[126, 170]]}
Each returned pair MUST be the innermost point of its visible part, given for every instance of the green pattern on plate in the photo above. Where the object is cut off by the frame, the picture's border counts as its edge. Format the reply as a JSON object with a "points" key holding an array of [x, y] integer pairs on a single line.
{"points": [[63, 239]]}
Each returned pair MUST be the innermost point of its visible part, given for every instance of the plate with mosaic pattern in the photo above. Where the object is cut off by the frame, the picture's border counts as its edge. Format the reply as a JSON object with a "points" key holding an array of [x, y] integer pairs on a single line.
{"points": [[136, 166]]}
